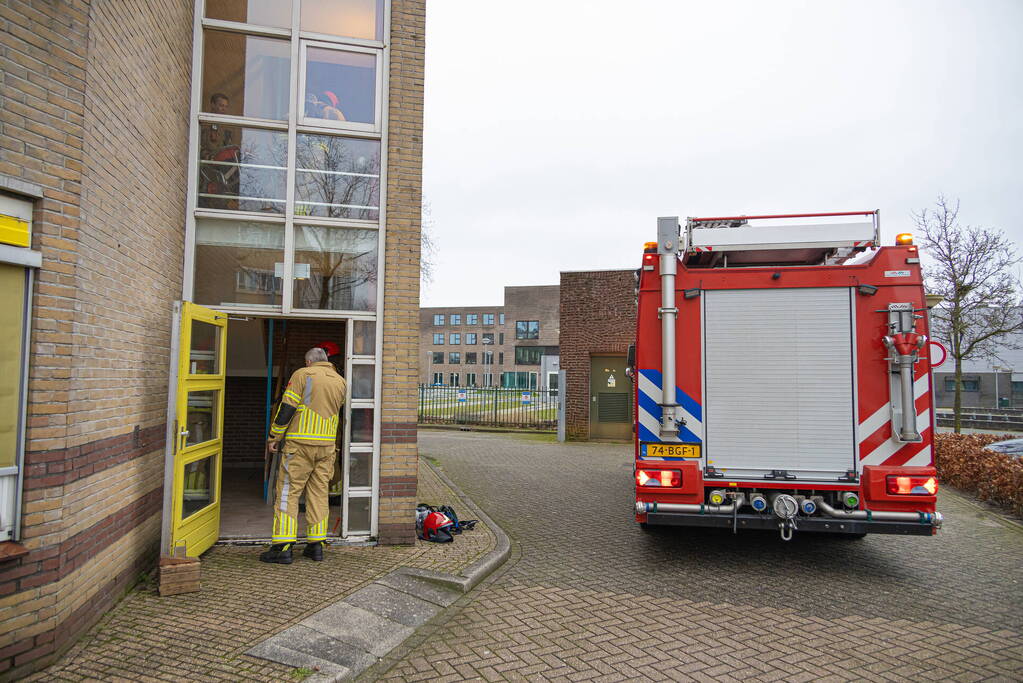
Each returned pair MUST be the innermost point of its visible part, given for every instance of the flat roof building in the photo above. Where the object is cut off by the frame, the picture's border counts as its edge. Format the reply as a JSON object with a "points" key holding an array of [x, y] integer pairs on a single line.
{"points": [[514, 345]]}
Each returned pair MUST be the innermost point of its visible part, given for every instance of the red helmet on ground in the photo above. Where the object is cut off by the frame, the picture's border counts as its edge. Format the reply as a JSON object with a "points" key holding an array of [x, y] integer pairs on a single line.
{"points": [[331, 348], [437, 528]]}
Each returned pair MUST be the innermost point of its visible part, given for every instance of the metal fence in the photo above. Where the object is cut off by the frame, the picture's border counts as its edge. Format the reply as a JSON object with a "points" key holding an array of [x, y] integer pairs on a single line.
{"points": [[489, 406]]}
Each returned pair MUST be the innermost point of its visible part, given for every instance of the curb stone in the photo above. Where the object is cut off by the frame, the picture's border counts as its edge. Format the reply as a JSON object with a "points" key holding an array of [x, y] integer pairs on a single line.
{"points": [[345, 638]]}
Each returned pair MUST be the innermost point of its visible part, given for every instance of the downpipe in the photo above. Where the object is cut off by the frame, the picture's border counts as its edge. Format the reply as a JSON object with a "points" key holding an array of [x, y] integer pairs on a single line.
{"points": [[668, 313], [933, 518]]}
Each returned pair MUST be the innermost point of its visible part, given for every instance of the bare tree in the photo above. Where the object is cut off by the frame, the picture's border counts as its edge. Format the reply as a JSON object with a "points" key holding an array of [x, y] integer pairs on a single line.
{"points": [[428, 248], [973, 271]]}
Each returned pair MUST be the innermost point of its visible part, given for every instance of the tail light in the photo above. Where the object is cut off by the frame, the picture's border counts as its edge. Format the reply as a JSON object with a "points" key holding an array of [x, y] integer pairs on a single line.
{"points": [[669, 478], [912, 486]]}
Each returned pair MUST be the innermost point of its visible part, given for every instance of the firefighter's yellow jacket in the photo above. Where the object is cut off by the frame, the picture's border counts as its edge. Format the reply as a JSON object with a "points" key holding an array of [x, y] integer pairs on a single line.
{"points": [[308, 413]]}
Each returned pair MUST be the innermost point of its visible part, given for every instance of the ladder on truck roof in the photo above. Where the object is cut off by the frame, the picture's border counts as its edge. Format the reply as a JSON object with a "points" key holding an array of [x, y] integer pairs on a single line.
{"points": [[758, 241]]}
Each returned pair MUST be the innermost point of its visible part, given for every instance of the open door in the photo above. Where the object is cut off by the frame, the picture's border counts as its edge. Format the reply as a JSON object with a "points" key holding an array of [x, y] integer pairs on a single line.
{"points": [[198, 430]]}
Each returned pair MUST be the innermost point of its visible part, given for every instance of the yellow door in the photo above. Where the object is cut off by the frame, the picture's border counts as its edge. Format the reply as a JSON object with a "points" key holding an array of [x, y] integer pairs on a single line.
{"points": [[199, 425]]}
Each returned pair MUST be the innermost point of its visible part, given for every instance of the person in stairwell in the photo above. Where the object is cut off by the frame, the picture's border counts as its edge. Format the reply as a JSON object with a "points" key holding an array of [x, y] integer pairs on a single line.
{"points": [[304, 430]]}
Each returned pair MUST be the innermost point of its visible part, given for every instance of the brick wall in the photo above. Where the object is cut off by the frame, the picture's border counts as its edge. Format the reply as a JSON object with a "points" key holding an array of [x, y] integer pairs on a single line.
{"points": [[598, 315], [398, 451], [244, 421], [95, 112]]}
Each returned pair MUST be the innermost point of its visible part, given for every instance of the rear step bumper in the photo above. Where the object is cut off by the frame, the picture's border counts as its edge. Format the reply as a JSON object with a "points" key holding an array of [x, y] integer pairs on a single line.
{"points": [[770, 522]]}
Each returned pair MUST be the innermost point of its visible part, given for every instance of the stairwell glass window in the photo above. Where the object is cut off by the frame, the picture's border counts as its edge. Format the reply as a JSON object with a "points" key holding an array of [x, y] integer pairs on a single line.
{"points": [[527, 329], [288, 125], [340, 87]]}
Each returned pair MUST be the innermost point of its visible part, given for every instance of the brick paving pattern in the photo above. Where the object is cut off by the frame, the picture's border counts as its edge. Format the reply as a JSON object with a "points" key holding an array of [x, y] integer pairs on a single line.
{"points": [[203, 636], [588, 595]]}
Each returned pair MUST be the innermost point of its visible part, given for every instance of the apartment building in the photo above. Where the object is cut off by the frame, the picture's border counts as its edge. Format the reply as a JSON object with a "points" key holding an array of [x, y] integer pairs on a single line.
{"points": [[514, 345]]}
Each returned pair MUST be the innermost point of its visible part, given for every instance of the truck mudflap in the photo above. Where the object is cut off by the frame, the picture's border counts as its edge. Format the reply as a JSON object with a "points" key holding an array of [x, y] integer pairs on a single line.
{"points": [[786, 527]]}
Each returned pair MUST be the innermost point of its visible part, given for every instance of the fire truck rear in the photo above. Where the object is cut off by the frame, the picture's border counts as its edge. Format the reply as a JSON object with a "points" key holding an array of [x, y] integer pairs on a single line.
{"points": [[782, 378]]}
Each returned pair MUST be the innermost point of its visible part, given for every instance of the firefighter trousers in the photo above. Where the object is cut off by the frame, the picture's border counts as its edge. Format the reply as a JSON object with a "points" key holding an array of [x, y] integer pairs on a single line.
{"points": [[303, 469]]}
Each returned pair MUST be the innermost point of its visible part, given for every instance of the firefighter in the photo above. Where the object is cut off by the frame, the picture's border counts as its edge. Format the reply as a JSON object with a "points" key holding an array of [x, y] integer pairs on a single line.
{"points": [[305, 431]]}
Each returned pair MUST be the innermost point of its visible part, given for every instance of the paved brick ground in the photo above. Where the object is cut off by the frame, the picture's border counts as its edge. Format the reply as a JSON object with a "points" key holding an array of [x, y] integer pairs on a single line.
{"points": [[591, 596], [202, 636]]}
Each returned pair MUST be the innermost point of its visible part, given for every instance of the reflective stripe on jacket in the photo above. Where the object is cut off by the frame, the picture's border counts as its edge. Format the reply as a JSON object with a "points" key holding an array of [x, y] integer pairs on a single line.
{"points": [[309, 409]]}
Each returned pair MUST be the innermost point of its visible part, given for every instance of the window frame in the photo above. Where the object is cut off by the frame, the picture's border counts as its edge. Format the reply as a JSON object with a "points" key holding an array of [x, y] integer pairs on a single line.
{"points": [[521, 352], [342, 45], [470, 338], [31, 261], [456, 318], [525, 335], [438, 320], [950, 384], [486, 316], [472, 319], [454, 357], [434, 357], [454, 338], [439, 335], [470, 358]]}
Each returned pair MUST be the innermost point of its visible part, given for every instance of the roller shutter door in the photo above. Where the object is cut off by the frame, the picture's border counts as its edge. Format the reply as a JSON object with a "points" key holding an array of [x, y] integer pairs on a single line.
{"points": [[779, 382]]}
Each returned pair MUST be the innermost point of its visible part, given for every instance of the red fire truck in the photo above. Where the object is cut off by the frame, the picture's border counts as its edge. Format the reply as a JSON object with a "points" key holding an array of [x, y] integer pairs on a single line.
{"points": [[782, 379]]}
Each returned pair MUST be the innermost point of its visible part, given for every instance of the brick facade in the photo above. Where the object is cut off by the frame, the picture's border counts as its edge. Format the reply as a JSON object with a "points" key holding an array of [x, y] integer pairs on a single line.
{"points": [[94, 117], [398, 453], [95, 112], [598, 316], [539, 303]]}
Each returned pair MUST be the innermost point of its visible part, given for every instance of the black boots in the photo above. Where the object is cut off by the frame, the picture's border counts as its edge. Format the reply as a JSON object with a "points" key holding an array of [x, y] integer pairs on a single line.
{"points": [[314, 551], [279, 554]]}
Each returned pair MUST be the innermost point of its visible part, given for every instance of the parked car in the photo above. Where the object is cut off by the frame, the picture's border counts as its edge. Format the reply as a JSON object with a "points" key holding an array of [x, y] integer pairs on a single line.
{"points": [[1010, 447]]}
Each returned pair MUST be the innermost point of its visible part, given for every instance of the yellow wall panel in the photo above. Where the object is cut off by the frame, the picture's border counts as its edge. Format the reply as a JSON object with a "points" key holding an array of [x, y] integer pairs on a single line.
{"points": [[12, 311]]}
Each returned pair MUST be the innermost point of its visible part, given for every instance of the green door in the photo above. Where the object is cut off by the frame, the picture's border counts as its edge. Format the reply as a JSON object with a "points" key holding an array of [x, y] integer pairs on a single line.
{"points": [[610, 399]]}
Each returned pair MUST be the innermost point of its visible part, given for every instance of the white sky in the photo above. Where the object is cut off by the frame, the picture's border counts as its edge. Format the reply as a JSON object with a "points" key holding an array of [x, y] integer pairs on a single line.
{"points": [[557, 131]]}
